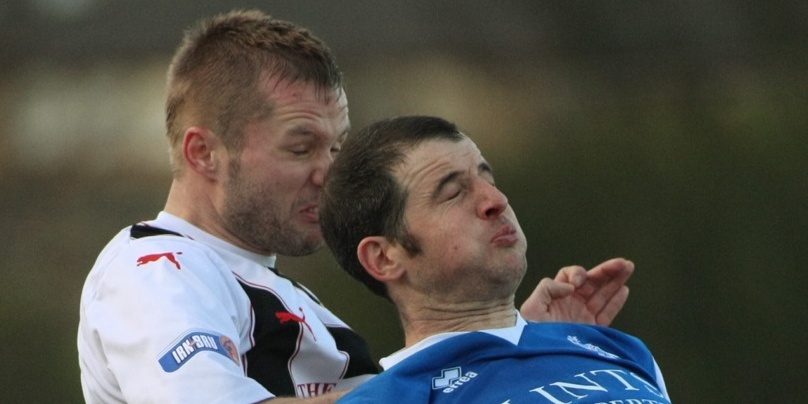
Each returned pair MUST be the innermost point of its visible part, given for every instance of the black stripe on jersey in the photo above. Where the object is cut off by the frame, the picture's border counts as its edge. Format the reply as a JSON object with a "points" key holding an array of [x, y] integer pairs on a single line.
{"points": [[276, 342], [349, 341], [142, 230]]}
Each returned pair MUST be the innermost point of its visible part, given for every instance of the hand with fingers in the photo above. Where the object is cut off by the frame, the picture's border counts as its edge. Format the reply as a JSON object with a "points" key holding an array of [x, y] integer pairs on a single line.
{"points": [[577, 295]]}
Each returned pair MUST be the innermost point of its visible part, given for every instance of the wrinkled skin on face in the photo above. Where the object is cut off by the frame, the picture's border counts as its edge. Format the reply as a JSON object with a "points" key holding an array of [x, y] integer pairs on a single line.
{"points": [[472, 245]]}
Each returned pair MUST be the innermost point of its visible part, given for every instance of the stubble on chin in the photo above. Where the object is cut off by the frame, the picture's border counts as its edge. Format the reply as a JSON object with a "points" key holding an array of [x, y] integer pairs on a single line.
{"points": [[254, 216], [265, 231], [300, 241]]}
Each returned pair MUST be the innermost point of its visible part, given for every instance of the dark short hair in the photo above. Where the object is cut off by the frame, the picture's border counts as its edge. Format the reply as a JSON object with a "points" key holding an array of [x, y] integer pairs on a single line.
{"points": [[215, 75], [361, 196]]}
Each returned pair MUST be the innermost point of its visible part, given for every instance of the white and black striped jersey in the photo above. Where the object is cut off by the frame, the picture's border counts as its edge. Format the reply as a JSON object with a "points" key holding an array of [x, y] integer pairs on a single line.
{"points": [[170, 313]]}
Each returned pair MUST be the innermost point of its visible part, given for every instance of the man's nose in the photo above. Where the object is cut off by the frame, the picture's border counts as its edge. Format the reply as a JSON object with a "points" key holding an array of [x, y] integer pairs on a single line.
{"points": [[321, 165], [492, 203]]}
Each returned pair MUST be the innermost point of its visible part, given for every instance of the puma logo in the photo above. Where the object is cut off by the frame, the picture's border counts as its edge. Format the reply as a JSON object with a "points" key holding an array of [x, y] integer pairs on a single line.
{"points": [[285, 316], [154, 257]]}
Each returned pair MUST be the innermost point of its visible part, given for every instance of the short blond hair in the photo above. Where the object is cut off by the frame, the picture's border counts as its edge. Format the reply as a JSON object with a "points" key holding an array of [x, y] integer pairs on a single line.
{"points": [[214, 77]]}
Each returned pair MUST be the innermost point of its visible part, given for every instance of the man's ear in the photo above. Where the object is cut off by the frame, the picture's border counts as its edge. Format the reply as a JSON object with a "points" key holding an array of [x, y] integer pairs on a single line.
{"points": [[379, 257], [200, 147]]}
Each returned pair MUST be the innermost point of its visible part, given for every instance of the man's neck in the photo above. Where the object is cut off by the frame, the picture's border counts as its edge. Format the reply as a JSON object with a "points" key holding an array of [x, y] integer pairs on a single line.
{"points": [[420, 323], [196, 205]]}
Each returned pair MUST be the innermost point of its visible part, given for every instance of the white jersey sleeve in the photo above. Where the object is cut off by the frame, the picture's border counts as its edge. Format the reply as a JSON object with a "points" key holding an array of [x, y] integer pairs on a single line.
{"points": [[158, 323]]}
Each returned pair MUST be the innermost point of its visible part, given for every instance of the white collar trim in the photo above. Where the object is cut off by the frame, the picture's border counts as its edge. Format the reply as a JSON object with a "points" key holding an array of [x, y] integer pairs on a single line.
{"points": [[511, 334], [175, 223]]}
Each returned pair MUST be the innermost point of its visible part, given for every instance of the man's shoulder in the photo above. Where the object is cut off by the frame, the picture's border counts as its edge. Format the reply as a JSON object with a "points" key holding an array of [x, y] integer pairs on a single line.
{"points": [[130, 248], [536, 339], [565, 333], [133, 252]]}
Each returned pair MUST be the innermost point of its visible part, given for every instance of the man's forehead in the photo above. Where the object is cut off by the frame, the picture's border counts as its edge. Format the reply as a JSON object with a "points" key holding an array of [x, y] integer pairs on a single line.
{"points": [[287, 94], [442, 149], [276, 86], [431, 158]]}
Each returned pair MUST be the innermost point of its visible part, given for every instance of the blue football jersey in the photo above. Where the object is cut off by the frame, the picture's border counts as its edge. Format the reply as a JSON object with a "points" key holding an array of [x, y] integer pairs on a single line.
{"points": [[551, 363]]}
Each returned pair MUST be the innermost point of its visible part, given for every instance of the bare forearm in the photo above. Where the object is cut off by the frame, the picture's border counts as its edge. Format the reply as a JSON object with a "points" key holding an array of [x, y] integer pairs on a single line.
{"points": [[329, 398]]}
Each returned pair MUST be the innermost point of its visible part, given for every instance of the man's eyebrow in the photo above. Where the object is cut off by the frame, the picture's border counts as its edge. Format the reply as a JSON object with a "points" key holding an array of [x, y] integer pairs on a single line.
{"points": [[306, 130], [302, 130]]}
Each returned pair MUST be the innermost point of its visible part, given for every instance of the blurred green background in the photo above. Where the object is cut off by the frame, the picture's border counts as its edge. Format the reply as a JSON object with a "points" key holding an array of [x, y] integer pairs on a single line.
{"points": [[670, 133]]}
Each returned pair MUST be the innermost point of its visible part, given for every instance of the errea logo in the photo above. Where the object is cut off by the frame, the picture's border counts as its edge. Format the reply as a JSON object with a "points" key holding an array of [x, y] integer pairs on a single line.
{"points": [[451, 379]]}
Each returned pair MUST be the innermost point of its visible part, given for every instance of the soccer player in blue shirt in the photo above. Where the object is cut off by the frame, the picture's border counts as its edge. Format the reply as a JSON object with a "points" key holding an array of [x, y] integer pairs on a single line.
{"points": [[411, 209]]}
